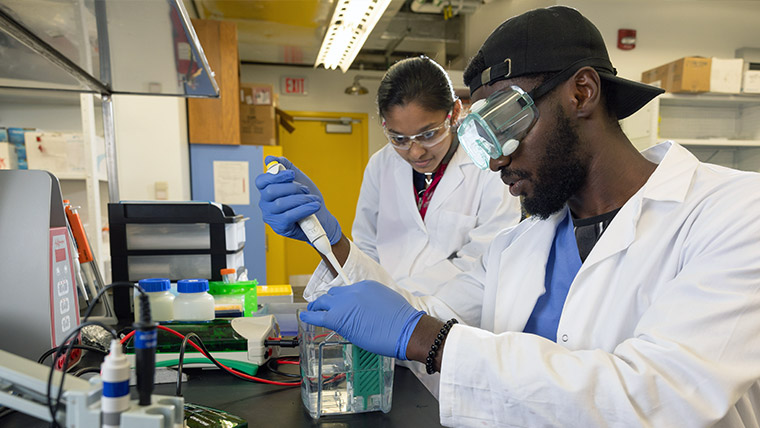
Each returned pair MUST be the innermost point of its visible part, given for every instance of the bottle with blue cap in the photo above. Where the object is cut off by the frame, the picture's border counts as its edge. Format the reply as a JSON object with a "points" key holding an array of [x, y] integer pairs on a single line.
{"points": [[160, 297], [193, 302]]}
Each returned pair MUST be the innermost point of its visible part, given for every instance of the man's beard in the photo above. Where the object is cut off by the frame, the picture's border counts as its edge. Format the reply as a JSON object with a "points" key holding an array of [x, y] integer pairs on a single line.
{"points": [[561, 171]]}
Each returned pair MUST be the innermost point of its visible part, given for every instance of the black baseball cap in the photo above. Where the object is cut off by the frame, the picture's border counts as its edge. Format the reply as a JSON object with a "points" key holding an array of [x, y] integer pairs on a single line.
{"points": [[560, 40]]}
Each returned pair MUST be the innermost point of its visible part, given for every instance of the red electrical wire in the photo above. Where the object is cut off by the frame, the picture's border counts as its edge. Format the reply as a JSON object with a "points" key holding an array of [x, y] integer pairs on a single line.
{"points": [[241, 374]]}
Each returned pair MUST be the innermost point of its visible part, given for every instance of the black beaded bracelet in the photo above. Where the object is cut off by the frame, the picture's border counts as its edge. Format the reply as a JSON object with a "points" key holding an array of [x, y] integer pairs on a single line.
{"points": [[437, 344]]}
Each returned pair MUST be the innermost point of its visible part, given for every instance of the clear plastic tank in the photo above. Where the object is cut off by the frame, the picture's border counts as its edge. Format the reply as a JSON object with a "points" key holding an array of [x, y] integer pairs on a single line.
{"points": [[340, 378]]}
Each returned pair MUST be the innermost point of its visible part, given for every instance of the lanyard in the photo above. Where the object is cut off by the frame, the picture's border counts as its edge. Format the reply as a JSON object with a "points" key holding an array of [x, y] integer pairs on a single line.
{"points": [[424, 196]]}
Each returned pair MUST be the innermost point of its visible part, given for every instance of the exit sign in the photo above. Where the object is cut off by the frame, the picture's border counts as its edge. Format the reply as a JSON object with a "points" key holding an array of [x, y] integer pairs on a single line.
{"points": [[294, 85]]}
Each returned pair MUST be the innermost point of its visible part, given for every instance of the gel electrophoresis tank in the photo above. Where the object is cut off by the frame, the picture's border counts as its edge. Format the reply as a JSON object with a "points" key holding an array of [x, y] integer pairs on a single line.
{"points": [[340, 378]]}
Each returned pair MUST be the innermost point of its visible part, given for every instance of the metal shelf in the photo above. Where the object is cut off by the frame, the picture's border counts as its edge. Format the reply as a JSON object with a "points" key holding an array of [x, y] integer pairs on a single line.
{"points": [[81, 176], [712, 142], [17, 96], [709, 99]]}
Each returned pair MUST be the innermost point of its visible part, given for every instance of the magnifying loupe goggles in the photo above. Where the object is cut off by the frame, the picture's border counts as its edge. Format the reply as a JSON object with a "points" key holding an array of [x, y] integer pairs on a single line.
{"points": [[495, 125]]}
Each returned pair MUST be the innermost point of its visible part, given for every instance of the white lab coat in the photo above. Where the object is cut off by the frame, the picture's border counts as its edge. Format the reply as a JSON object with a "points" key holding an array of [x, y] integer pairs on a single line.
{"points": [[661, 326], [468, 208]]}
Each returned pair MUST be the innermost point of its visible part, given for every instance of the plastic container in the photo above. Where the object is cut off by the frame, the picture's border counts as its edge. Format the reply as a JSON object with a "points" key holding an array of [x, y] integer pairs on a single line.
{"points": [[190, 236], [339, 378], [234, 300], [193, 302], [275, 294], [160, 297], [229, 276], [177, 266], [286, 315], [162, 225]]}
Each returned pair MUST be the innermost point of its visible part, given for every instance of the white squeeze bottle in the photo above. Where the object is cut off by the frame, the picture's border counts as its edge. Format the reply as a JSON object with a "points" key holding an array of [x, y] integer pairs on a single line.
{"points": [[193, 302], [160, 298]]}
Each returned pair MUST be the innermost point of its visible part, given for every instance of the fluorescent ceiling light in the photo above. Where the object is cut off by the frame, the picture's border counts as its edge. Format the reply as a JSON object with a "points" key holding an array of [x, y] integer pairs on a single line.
{"points": [[349, 28]]}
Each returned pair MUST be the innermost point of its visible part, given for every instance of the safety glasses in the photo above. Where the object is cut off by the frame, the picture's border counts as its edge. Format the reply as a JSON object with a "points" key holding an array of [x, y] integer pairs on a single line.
{"points": [[496, 125], [426, 139]]}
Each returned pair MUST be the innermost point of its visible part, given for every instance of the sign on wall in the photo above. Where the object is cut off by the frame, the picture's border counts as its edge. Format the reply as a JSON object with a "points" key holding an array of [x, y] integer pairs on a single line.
{"points": [[231, 185], [294, 85]]}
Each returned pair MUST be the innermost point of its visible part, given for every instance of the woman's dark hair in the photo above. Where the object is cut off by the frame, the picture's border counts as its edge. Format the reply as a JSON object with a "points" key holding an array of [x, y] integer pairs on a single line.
{"points": [[418, 79]]}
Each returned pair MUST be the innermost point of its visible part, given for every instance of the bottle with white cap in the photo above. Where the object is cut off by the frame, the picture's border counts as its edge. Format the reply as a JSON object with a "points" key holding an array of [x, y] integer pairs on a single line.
{"points": [[115, 375], [193, 303], [161, 299]]}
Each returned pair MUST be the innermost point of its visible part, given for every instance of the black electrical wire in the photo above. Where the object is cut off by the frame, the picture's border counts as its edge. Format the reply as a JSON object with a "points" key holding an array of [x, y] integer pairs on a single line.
{"points": [[70, 346], [208, 355], [68, 343], [85, 370], [6, 411], [289, 358], [275, 371], [182, 347], [283, 343], [50, 352], [106, 288]]}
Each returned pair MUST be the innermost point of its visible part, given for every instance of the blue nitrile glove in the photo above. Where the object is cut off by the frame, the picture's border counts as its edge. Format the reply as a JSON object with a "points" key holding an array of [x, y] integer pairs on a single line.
{"points": [[367, 314], [289, 196]]}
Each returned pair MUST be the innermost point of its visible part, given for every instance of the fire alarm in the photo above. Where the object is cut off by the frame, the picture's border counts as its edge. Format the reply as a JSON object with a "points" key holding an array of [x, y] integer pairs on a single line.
{"points": [[626, 39]]}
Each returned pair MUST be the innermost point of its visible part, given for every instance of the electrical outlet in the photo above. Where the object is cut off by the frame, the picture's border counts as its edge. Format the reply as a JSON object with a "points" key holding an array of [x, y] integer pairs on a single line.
{"points": [[162, 190]]}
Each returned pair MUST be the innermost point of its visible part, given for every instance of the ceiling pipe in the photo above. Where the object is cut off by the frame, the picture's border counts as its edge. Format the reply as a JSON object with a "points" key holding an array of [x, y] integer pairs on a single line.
{"points": [[436, 6], [393, 45]]}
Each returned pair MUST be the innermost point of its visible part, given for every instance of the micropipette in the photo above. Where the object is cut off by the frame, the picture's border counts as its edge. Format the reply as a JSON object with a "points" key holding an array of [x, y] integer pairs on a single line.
{"points": [[314, 231]]}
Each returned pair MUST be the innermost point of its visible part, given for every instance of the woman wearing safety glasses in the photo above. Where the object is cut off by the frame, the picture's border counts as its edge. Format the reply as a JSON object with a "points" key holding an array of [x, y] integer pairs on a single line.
{"points": [[425, 211]]}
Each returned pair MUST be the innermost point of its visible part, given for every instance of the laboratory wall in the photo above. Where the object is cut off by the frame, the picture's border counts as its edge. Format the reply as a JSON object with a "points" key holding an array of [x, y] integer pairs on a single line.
{"points": [[668, 30], [62, 115], [665, 30], [151, 131], [488, 16], [221, 163], [151, 142], [325, 93], [130, 56]]}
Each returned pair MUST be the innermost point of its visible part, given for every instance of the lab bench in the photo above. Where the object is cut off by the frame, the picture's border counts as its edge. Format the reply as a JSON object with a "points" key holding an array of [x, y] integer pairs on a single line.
{"points": [[264, 405]]}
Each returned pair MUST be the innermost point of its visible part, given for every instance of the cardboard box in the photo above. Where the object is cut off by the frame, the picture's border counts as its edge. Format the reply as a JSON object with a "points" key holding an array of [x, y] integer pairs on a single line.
{"points": [[7, 156], [258, 125], [688, 74], [258, 122], [751, 71], [258, 94], [61, 153], [58, 153], [16, 138], [751, 78], [726, 75], [698, 74]]}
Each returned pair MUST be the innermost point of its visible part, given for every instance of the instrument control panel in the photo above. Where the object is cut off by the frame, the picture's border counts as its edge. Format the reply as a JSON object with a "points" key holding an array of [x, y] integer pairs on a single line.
{"points": [[64, 307]]}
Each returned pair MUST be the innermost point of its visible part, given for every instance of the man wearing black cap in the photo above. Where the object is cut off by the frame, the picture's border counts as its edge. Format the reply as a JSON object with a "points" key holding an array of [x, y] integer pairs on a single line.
{"points": [[630, 297]]}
